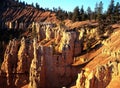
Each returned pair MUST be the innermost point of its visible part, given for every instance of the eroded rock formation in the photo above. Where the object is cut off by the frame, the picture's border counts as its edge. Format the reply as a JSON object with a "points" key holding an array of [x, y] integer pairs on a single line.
{"points": [[16, 63], [100, 77], [49, 56], [47, 60], [36, 70], [54, 61], [10, 62]]}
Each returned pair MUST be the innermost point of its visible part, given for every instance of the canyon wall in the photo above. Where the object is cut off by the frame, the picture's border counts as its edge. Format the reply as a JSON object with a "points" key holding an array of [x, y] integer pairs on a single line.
{"points": [[103, 71], [53, 60], [99, 77], [16, 64], [48, 56], [52, 55]]}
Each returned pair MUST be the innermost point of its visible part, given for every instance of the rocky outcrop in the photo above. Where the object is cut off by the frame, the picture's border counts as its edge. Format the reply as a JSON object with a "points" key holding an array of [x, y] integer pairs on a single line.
{"points": [[16, 64], [22, 16], [47, 61], [49, 55], [100, 77], [3, 80], [53, 66], [22, 57], [25, 55], [36, 69], [10, 62], [53, 59]]}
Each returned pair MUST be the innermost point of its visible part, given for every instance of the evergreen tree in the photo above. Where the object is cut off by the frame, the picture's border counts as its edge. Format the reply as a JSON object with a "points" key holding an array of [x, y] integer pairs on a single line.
{"points": [[23, 3], [37, 6], [100, 11], [110, 11], [70, 15], [61, 14], [89, 13], [82, 13], [32, 4], [54, 9], [117, 11], [96, 11], [65, 14], [76, 14]]}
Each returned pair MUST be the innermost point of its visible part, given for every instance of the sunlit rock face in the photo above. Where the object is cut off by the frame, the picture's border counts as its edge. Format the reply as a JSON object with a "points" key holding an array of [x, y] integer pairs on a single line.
{"points": [[10, 61], [99, 77], [36, 67], [47, 64], [25, 55], [46, 61], [52, 55], [16, 64]]}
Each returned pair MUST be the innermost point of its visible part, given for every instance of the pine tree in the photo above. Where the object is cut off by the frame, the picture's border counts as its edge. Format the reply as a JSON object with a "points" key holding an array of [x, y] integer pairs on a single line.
{"points": [[65, 14], [76, 14], [110, 11], [23, 3], [117, 11], [32, 4], [70, 15], [60, 14], [82, 13], [100, 11], [96, 11], [54, 9], [89, 13], [37, 6]]}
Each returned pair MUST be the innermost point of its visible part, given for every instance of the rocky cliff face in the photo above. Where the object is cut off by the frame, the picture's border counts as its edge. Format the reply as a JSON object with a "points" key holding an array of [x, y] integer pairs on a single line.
{"points": [[25, 55], [16, 63], [19, 16], [10, 61], [52, 60], [36, 69], [43, 59], [103, 70], [99, 77], [52, 55], [55, 54]]}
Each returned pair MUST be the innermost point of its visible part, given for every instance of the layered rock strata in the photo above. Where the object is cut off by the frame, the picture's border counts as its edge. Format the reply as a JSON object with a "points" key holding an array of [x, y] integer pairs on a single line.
{"points": [[99, 77], [47, 64], [16, 63], [51, 58]]}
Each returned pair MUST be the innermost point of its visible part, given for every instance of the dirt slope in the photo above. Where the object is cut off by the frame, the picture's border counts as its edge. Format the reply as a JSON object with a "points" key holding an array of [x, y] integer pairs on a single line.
{"points": [[25, 13]]}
